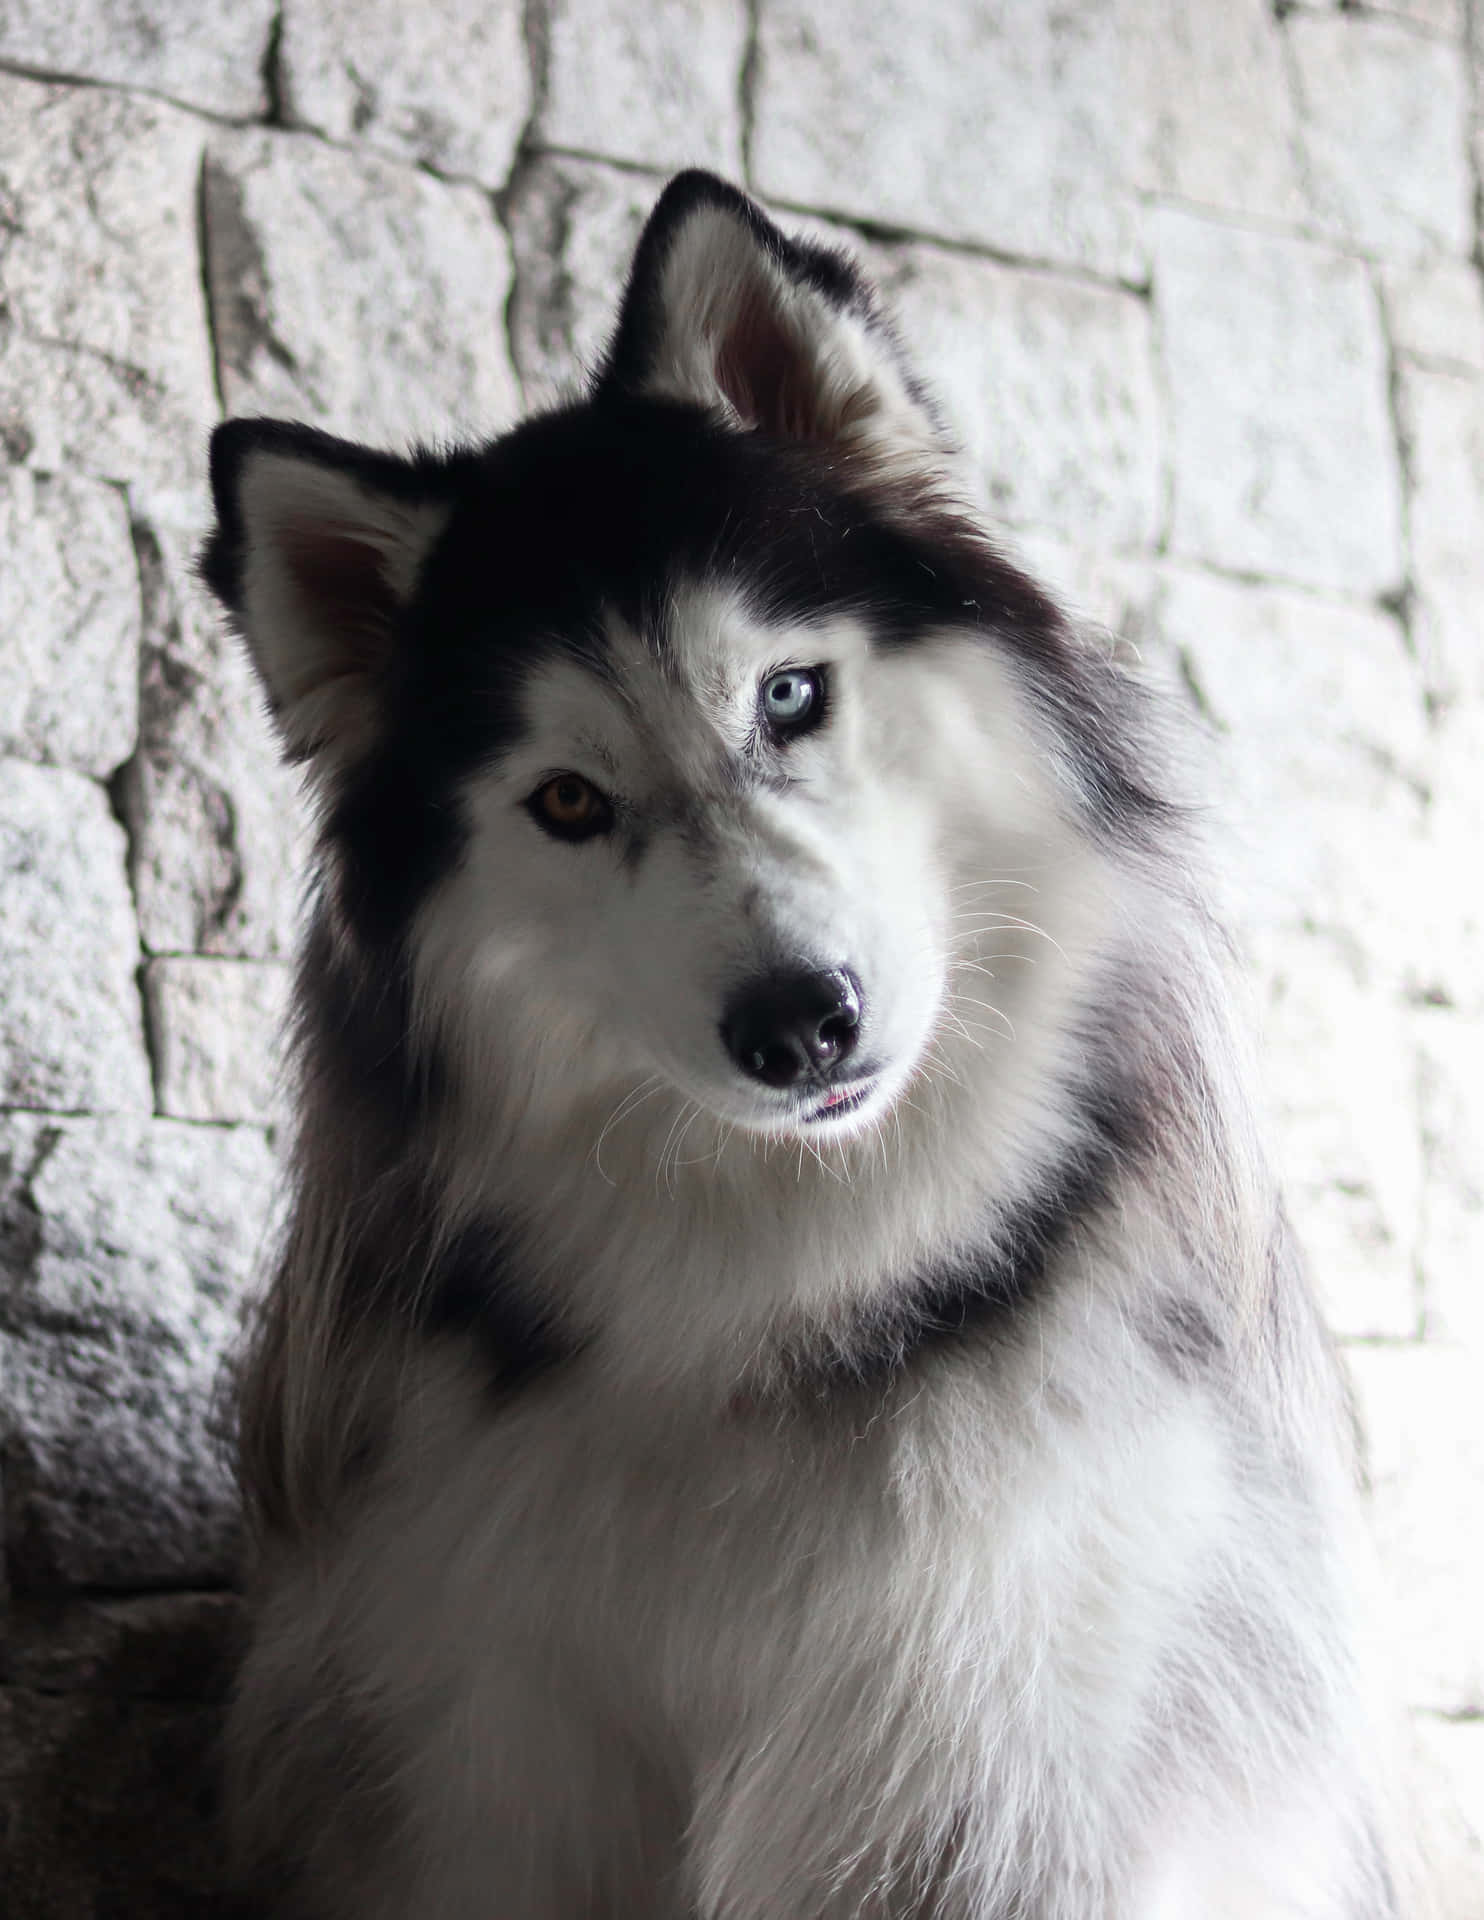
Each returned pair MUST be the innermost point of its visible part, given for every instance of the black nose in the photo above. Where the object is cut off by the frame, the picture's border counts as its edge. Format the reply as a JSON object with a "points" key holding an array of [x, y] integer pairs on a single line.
{"points": [[786, 1026]]}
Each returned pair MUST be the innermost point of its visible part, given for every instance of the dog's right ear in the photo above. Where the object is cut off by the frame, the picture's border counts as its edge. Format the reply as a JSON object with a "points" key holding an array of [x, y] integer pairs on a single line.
{"points": [[316, 554], [770, 334]]}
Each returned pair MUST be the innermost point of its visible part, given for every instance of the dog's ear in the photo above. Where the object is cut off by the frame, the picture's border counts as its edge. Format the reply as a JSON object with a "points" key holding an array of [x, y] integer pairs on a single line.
{"points": [[316, 553], [770, 333]]}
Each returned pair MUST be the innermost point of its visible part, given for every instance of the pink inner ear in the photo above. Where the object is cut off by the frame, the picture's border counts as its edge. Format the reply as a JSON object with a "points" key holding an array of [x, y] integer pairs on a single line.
{"points": [[767, 375], [341, 581]]}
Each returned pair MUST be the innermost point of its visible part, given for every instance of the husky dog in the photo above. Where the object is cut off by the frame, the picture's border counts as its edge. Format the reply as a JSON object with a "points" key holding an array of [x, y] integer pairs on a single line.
{"points": [[787, 1393]]}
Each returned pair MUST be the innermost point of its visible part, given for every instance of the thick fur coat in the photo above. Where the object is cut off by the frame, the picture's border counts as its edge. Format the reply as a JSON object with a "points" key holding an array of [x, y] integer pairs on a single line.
{"points": [[787, 1393]]}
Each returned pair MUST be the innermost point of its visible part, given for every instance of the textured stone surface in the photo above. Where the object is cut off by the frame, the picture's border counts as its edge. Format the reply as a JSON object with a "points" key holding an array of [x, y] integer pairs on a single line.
{"points": [[215, 1026], [1210, 103], [209, 57], [1048, 381], [105, 361], [1443, 418], [659, 85], [363, 297], [154, 1646], [446, 84], [1320, 716], [126, 1251], [1449, 909], [1426, 1449], [216, 819], [109, 1808], [1384, 114], [71, 1028], [996, 124], [1450, 1050], [69, 623], [1444, 17], [573, 225], [1341, 1077], [1276, 370], [1435, 312]]}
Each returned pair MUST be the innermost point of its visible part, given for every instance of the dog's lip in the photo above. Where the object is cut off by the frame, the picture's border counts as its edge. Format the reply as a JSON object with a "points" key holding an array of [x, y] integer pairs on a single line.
{"points": [[843, 1100]]}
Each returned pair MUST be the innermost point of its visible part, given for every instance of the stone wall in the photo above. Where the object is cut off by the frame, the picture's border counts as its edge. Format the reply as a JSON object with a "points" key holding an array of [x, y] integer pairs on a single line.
{"points": [[1199, 279]]}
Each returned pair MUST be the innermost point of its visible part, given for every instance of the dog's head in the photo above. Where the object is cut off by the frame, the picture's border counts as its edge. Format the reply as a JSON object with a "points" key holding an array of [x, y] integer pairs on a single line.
{"points": [[658, 741]]}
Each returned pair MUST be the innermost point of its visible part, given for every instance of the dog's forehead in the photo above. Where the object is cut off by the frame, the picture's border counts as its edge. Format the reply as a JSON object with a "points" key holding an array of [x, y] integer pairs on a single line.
{"points": [[710, 641], [682, 684]]}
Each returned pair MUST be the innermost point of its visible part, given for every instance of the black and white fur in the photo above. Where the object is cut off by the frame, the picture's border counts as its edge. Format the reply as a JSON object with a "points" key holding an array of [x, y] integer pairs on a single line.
{"points": [[696, 1476]]}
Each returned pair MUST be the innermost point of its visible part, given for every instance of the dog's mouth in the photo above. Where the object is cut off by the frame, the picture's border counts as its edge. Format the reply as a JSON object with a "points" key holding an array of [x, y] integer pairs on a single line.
{"points": [[842, 1100]]}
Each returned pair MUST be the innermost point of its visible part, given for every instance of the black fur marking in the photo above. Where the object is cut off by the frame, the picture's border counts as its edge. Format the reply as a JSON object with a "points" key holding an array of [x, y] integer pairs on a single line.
{"points": [[983, 1290], [472, 1294], [354, 1024]]}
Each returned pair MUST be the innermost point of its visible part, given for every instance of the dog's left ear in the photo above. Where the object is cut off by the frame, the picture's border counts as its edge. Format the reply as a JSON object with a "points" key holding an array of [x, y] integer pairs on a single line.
{"points": [[769, 333]]}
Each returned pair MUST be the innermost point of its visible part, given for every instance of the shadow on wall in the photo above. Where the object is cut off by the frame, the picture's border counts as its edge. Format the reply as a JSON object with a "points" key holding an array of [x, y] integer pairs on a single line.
{"points": [[108, 1731]]}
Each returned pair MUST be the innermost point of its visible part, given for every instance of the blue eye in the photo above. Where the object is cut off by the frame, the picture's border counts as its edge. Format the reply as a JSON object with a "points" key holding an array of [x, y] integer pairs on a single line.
{"points": [[793, 701]]}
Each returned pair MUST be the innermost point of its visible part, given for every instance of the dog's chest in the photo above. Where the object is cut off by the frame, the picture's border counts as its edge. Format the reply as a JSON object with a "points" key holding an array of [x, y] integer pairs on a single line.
{"points": [[691, 1574]]}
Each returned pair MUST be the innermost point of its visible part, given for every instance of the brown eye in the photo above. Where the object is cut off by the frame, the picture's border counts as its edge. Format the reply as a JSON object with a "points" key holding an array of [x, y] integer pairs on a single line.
{"points": [[570, 807]]}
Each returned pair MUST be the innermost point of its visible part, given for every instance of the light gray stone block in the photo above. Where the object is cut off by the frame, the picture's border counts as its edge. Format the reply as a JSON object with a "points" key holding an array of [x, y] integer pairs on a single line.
{"points": [[364, 297], [217, 824], [69, 623], [1443, 421], [71, 1021], [1426, 1452], [1435, 312], [445, 84], [1443, 17], [659, 85], [1448, 1788], [1339, 1068], [1049, 382], [1385, 134], [573, 225], [996, 124], [127, 1247], [1318, 767], [1451, 1055], [209, 57], [1209, 101], [216, 1027], [1449, 908], [1276, 369], [105, 357]]}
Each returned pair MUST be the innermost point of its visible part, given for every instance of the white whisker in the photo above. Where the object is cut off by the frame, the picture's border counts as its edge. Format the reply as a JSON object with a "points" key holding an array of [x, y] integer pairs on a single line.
{"points": [[630, 1103]]}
